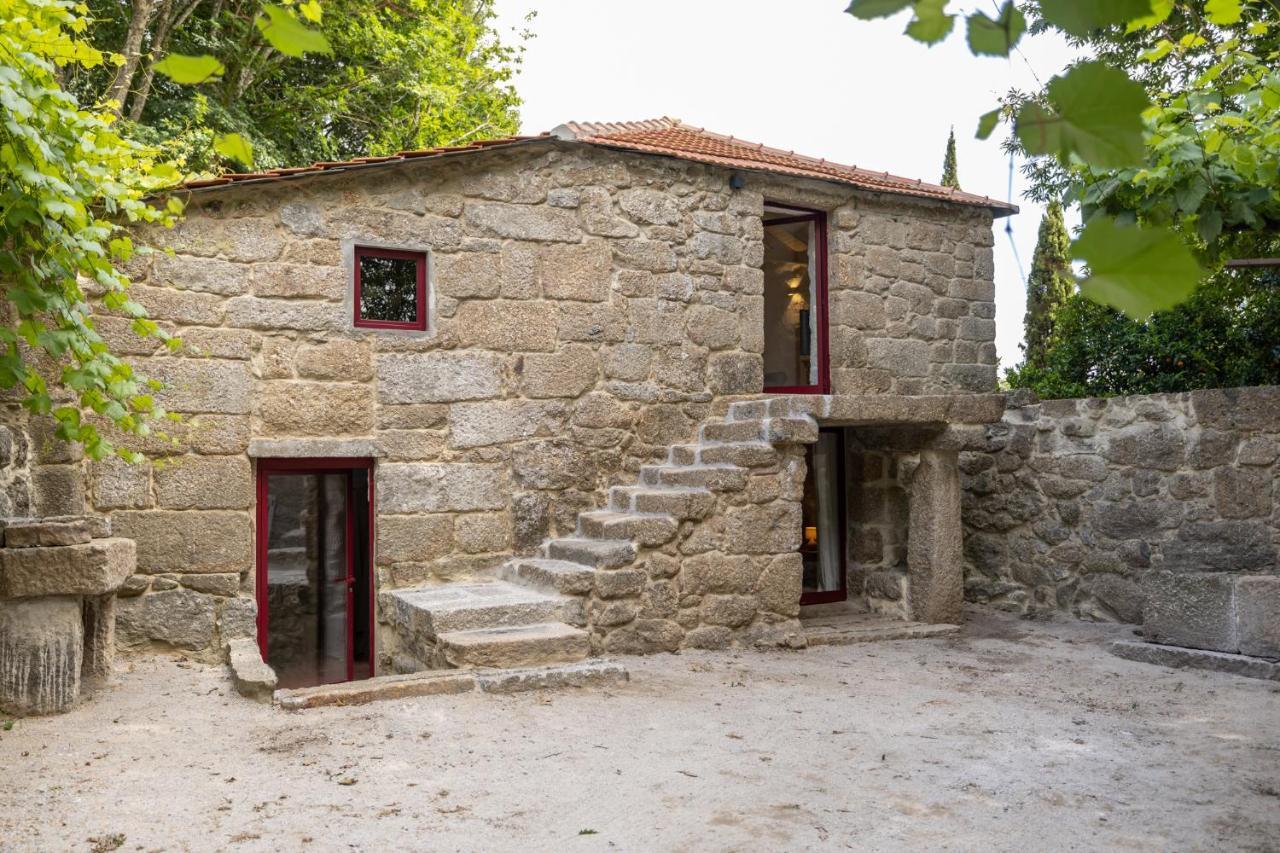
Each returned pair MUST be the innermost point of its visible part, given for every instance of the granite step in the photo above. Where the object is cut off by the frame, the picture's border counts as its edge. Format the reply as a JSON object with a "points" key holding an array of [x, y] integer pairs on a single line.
{"points": [[429, 611], [684, 504], [596, 553], [649, 530], [515, 646], [559, 576], [717, 478]]}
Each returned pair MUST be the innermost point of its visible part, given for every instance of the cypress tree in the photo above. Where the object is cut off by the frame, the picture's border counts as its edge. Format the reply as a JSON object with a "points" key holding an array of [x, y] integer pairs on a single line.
{"points": [[949, 177], [1049, 286]]}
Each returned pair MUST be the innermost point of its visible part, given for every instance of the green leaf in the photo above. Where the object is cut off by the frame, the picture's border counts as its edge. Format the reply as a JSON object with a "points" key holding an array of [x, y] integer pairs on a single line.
{"points": [[1209, 225], [1160, 10], [1138, 270], [996, 38], [987, 123], [190, 70], [310, 10], [1095, 115], [868, 9], [234, 147], [1081, 17], [931, 23], [288, 35], [1223, 12]]}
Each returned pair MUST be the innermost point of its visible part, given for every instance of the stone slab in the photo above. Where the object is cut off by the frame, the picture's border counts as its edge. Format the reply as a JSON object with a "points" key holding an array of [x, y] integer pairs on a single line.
{"points": [[35, 533], [250, 674], [1177, 657], [844, 630], [41, 648], [92, 568], [586, 674]]}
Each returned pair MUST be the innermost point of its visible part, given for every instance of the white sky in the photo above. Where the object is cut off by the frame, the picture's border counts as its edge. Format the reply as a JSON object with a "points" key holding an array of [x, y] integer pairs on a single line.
{"points": [[798, 75]]}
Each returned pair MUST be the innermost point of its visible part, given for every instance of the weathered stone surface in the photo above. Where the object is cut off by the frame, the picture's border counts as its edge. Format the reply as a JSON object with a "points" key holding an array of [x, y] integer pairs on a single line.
{"points": [[482, 424], [337, 359], [1180, 658], [204, 482], [252, 312], [581, 273], [538, 223], [469, 275], [438, 377], [32, 533], [1220, 546], [716, 572], [227, 584], [1242, 493], [188, 541], [553, 464], [249, 673], [769, 529], [1258, 615], [315, 408], [779, 587], [41, 655], [413, 538], [483, 532], [58, 489], [1192, 609], [735, 373], [179, 617], [202, 385], [507, 325], [570, 372], [237, 618], [934, 540], [453, 487], [92, 568]]}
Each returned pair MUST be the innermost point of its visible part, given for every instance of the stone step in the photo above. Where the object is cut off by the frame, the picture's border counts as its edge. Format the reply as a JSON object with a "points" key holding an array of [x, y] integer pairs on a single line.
{"points": [[684, 504], [559, 576], [597, 553], [745, 430], [429, 611], [590, 673], [798, 430], [717, 478], [647, 530], [515, 646], [748, 410], [745, 454]]}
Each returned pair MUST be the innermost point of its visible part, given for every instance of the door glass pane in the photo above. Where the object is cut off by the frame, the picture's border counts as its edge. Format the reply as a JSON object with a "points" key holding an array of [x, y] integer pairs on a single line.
{"points": [[307, 578], [790, 321], [822, 542]]}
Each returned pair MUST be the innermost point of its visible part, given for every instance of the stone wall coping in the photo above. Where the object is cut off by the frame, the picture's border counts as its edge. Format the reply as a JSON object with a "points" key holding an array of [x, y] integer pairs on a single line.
{"points": [[97, 567], [317, 448]]}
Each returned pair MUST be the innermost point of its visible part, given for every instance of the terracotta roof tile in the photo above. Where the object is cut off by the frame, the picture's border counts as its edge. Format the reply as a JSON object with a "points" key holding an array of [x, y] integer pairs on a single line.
{"points": [[663, 136]]}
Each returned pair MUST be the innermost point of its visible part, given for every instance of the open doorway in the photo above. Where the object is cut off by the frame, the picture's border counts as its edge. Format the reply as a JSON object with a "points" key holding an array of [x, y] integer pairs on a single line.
{"points": [[823, 513], [795, 300], [315, 590]]}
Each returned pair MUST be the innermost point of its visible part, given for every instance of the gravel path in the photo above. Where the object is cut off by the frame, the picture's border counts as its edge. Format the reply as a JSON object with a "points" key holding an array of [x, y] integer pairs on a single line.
{"points": [[1013, 736]]}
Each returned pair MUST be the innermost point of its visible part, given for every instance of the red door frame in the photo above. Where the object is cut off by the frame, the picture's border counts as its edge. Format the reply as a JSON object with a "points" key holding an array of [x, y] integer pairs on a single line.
{"points": [[842, 510], [316, 465], [819, 220]]}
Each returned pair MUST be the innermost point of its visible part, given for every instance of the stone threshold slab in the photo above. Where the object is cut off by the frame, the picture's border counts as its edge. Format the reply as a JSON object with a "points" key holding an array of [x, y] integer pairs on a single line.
{"points": [[447, 681], [843, 633], [1178, 657]]}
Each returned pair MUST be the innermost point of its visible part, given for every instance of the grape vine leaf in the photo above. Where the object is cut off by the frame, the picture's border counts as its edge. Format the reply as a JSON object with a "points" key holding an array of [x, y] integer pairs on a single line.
{"points": [[987, 123], [1094, 113], [190, 70], [868, 9], [1081, 17], [235, 147], [288, 35], [997, 37], [931, 23], [1136, 269], [1223, 12]]}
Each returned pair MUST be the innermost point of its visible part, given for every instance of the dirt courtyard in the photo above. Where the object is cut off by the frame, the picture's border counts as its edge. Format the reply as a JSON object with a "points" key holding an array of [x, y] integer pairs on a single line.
{"points": [[1015, 735]]}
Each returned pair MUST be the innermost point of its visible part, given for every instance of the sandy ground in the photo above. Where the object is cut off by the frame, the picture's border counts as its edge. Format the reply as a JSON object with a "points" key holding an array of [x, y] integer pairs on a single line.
{"points": [[1015, 736]]}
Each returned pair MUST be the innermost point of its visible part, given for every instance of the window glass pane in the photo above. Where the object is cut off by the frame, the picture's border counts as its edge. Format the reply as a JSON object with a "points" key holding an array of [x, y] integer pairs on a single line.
{"points": [[388, 289], [790, 322]]}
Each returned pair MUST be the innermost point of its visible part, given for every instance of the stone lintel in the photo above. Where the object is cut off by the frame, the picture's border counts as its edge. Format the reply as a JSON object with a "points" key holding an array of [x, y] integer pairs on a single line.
{"points": [[891, 409], [314, 448], [97, 567]]}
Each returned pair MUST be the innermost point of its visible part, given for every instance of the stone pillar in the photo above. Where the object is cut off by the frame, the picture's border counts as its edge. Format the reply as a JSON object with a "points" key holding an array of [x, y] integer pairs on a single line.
{"points": [[935, 539], [41, 647], [99, 636]]}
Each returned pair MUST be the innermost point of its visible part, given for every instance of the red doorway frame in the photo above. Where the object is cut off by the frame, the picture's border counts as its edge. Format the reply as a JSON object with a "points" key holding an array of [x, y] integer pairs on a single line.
{"points": [[819, 220], [842, 513], [316, 465]]}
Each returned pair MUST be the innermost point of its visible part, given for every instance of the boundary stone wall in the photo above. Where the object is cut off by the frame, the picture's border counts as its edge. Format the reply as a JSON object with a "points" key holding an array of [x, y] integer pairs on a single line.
{"points": [[1101, 507]]}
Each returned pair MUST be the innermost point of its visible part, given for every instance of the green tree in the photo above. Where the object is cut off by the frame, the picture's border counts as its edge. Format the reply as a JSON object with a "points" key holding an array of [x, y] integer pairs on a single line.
{"points": [[949, 176], [1049, 286], [1226, 335], [1176, 169], [409, 74]]}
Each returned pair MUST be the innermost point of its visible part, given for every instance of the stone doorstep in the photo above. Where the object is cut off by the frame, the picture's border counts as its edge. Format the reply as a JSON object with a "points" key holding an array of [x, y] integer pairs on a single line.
{"points": [[448, 681], [1177, 657], [460, 606], [516, 646], [250, 674], [842, 632]]}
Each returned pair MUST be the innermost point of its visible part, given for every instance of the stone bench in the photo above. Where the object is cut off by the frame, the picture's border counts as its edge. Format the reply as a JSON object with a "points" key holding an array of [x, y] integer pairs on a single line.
{"points": [[58, 580]]}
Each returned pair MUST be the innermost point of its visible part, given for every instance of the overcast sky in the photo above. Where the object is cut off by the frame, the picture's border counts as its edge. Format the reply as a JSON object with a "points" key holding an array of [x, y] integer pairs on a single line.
{"points": [[798, 75]]}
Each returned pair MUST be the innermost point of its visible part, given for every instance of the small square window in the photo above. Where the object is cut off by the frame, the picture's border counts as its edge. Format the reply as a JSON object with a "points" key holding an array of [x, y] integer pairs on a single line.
{"points": [[390, 289]]}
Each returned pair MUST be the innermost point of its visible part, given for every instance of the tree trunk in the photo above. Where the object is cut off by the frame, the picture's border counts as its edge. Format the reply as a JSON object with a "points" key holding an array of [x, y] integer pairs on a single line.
{"points": [[132, 51]]}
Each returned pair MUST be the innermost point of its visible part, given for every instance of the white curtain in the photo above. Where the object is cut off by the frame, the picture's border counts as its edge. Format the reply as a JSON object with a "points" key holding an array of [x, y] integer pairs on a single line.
{"points": [[814, 307], [825, 471]]}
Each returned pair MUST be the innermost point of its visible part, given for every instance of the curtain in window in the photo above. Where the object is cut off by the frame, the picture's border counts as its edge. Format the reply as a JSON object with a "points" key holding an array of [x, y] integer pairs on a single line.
{"points": [[825, 477]]}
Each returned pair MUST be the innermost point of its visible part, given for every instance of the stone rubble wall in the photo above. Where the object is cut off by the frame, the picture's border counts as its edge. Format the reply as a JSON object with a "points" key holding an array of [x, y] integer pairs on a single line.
{"points": [[589, 309], [1099, 506]]}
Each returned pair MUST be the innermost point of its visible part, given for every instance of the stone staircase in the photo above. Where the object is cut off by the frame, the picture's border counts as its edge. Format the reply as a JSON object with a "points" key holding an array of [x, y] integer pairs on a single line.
{"points": [[534, 610]]}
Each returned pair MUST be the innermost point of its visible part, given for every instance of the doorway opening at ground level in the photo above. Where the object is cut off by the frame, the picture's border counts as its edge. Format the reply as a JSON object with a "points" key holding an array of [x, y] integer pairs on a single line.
{"points": [[795, 300], [824, 520], [314, 585]]}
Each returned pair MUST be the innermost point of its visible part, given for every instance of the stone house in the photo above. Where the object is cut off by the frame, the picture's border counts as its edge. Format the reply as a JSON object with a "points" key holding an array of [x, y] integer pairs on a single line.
{"points": [[619, 388]]}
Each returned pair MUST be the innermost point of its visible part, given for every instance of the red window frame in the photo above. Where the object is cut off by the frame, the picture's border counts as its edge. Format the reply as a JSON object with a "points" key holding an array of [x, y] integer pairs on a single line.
{"points": [[819, 220], [420, 296], [317, 465]]}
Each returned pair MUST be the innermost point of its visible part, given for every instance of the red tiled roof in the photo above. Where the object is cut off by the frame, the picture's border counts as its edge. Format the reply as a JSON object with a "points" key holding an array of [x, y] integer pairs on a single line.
{"points": [[676, 139], [668, 137]]}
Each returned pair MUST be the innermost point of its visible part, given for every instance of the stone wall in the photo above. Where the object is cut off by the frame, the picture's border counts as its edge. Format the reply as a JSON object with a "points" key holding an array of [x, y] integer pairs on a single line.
{"points": [[589, 309], [1097, 507]]}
